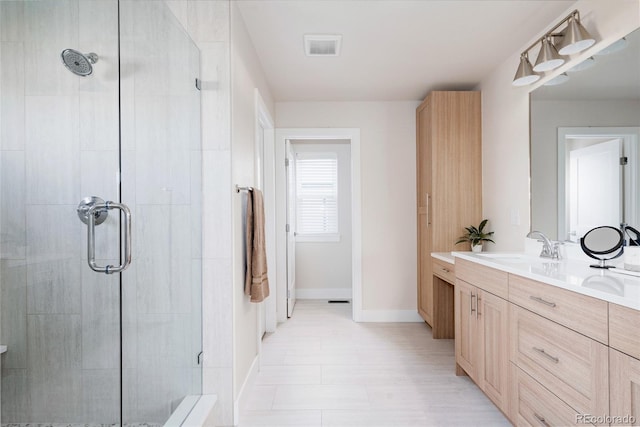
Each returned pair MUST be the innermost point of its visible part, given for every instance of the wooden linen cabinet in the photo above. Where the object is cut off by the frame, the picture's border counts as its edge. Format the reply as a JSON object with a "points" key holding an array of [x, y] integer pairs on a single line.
{"points": [[449, 191]]}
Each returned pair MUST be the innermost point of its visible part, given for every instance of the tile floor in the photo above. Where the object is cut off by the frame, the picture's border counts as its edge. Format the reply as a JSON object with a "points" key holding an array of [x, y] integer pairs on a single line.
{"points": [[322, 369]]}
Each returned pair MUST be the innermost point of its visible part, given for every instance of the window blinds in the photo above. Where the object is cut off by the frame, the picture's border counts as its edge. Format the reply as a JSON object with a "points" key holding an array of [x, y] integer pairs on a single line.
{"points": [[316, 193]]}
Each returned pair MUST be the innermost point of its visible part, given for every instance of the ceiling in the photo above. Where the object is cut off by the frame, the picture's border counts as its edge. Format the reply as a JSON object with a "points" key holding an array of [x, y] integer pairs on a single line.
{"points": [[391, 49]]}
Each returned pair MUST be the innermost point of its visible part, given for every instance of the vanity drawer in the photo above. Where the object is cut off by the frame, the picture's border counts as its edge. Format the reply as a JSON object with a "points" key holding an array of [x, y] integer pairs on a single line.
{"points": [[572, 366], [486, 278], [444, 270], [624, 327], [533, 405], [578, 312]]}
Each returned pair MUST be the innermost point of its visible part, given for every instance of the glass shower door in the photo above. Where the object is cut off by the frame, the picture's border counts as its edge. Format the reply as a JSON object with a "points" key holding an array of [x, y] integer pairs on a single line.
{"points": [[161, 172], [58, 144], [84, 347]]}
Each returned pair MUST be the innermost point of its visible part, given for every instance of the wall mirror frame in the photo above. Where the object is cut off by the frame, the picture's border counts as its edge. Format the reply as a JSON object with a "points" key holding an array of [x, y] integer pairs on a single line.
{"points": [[584, 145]]}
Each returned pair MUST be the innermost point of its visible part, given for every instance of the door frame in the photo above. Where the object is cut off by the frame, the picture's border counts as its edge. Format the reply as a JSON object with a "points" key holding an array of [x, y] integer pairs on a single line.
{"points": [[265, 177], [319, 134], [630, 137]]}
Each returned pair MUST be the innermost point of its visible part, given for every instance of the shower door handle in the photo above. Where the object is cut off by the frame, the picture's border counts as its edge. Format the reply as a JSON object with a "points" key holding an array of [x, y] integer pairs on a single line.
{"points": [[91, 216]]}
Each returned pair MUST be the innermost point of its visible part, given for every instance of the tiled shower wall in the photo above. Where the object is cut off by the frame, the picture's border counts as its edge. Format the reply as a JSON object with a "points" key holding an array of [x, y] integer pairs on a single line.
{"points": [[59, 144]]}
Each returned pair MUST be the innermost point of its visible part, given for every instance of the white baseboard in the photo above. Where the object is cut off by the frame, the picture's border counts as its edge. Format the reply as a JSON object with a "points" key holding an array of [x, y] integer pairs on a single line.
{"points": [[323, 293], [397, 316], [248, 383]]}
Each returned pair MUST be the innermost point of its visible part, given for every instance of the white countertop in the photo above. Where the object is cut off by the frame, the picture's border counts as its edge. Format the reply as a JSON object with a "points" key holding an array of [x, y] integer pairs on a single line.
{"points": [[444, 256], [570, 274]]}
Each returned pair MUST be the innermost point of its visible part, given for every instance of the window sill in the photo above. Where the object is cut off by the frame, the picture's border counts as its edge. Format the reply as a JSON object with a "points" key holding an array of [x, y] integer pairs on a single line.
{"points": [[317, 238]]}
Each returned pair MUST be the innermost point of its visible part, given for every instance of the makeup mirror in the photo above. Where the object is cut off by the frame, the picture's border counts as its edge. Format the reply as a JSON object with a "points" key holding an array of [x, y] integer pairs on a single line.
{"points": [[603, 243]]}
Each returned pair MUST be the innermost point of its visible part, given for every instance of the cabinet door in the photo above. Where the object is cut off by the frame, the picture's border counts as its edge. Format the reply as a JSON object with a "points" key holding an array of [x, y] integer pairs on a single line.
{"points": [[425, 272], [425, 234], [466, 323], [493, 316], [624, 374]]}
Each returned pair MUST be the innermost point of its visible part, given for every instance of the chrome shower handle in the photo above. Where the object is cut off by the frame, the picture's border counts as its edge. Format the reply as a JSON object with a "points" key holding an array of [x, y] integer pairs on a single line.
{"points": [[91, 237]]}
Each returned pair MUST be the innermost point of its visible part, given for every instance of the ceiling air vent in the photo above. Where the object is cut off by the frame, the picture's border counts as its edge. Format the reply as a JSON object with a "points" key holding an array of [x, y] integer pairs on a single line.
{"points": [[322, 44]]}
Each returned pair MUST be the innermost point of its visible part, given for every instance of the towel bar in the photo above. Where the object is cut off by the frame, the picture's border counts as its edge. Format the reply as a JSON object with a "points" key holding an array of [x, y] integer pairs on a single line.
{"points": [[239, 189]]}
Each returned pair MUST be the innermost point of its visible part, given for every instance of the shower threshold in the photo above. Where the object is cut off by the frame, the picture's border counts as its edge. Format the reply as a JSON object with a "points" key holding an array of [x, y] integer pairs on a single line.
{"points": [[79, 425]]}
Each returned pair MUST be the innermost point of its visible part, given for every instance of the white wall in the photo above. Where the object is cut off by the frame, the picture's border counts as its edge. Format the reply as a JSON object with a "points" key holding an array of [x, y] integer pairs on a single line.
{"points": [[323, 269], [247, 75], [388, 191], [505, 123], [546, 117]]}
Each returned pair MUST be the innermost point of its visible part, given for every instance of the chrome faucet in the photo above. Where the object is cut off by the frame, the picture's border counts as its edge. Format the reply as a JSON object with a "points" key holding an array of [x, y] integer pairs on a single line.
{"points": [[550, 249]]}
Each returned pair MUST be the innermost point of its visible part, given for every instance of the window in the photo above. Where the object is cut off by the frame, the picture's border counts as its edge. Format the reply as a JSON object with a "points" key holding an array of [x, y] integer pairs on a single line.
{"points": [[317, 196]]}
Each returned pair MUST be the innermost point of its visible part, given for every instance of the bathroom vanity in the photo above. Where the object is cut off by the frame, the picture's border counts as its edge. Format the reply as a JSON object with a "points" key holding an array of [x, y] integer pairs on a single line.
{"points": [[549, 342], [444, 276]]}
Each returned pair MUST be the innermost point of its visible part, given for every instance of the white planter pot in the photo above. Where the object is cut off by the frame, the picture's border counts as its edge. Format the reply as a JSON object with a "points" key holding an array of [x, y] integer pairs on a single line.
{"points": [[476, 248]]}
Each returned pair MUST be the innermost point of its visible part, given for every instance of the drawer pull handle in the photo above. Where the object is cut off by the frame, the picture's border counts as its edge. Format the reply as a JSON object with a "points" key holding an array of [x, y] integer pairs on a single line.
{"points": [[542, 420], [471, 310], [540, 300], [547, 355], [446, 270]]}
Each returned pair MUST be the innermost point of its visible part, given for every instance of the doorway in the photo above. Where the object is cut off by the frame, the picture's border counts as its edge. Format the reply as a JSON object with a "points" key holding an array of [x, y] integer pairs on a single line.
{"points": [[597, 179], [308, 217], [322, 204]]}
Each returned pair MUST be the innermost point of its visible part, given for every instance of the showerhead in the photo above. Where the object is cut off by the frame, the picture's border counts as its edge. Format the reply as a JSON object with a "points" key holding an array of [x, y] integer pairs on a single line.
{"points": [[78, 63]]}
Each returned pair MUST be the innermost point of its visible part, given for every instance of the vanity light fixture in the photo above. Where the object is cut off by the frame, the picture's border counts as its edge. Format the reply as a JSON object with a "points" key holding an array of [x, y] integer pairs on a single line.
{"points": [[548, 58], [573, 39], [525, 74]]}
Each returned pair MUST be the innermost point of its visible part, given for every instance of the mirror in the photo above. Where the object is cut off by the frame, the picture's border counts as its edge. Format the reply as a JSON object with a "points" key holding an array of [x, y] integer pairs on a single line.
{"points": [[581, 132], [601, 243]]}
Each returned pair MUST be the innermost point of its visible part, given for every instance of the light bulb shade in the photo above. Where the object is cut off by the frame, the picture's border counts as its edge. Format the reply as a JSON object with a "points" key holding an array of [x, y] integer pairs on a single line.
{"points": [[525, 74], [548, 58], [576, 38]]}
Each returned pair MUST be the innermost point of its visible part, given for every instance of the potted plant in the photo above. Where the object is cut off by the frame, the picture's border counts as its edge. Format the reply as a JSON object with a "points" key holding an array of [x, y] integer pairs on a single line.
{"points": [[476, 236]]}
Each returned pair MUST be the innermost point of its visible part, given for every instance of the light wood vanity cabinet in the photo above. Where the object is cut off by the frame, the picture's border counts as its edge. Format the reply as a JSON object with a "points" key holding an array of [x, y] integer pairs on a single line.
{"points": [[442, 294], [572, 366], [535, 406], [624, 330], [467, 340], [581, 313], [545, 355], [448, 175], [625, 388], [494, 341], [482, 331], [624, 363]]}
